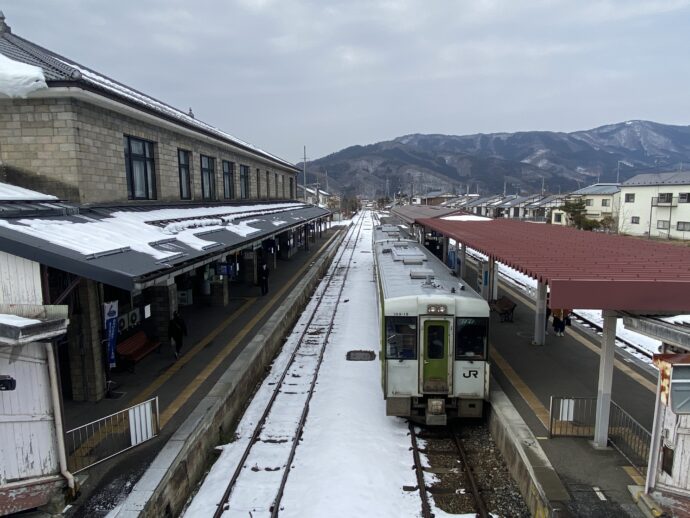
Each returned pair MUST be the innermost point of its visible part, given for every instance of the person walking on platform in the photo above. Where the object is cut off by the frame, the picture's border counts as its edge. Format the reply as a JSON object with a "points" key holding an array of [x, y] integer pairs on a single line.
{"points": [[177, 330], [559, 316], [263, 278]]}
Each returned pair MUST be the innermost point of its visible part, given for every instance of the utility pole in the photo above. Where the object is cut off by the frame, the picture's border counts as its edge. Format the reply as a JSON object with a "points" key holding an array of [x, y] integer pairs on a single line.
{"points": [[327, 190], [304, 169]]}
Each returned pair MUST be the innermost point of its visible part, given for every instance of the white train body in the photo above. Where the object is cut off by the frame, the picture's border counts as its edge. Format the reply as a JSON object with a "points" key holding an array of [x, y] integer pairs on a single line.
{"points": [[434, 334]]}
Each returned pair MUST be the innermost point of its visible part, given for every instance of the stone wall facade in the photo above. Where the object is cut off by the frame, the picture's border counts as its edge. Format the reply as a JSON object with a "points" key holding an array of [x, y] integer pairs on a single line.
{"points": [[75, 150]]}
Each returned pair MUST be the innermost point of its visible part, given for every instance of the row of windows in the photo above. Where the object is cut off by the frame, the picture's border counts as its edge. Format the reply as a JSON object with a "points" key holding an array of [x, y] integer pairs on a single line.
{"points": [[141, 179], [604, 202], [664, 224], [664, 197]]}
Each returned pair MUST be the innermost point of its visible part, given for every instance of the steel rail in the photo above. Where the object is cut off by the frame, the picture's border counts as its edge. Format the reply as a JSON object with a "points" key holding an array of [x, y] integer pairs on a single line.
{"points": [[419, 471], [259, 426], [474, 488], [305, 411]]}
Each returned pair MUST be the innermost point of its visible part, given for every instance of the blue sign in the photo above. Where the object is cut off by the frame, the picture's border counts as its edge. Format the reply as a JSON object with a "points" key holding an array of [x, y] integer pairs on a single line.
{"points": [[110, 314]]}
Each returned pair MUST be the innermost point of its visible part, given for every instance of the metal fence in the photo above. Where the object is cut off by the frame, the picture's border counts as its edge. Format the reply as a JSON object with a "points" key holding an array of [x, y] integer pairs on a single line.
{"points": [[576, 416], [101, 440]]}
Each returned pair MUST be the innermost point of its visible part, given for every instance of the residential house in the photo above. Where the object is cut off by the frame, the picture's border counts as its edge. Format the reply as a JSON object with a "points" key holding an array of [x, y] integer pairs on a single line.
{"points": [[601, 200], [656, 205]]}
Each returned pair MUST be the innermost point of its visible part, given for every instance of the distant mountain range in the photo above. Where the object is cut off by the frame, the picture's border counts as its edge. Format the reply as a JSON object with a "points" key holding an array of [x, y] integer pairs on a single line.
{"points": [[523, 161]]}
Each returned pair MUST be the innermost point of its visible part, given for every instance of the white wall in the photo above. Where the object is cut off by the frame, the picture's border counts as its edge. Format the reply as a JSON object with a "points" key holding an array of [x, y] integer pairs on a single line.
{"points": [[20, 282], [650, 214]]}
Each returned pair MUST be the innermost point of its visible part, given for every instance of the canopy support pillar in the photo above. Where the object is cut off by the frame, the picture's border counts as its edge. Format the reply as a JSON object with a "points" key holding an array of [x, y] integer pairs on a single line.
{"points": [[540, 315], [608, 344], [463, 261]]}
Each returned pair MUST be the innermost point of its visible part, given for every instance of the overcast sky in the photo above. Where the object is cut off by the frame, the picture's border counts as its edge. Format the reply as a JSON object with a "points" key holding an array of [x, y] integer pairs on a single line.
{"points": [[282, 74]]}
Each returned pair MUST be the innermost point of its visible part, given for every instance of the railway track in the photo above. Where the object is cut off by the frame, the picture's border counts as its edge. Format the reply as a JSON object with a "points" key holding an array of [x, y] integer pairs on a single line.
{"points": [[460, 471], [258, 481]]}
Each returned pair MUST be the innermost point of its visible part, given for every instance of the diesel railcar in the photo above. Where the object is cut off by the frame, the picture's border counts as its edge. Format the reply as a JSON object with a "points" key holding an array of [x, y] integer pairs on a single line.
{"points": [[434, 334]]}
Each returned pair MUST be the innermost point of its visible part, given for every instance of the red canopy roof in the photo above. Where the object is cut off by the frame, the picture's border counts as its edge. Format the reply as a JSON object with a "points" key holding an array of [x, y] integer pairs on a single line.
{"points": [[587, 270]]}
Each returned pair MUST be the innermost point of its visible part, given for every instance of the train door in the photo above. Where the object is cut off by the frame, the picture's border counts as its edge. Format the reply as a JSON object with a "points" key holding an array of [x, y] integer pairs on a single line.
{"points": [[436, 345]]}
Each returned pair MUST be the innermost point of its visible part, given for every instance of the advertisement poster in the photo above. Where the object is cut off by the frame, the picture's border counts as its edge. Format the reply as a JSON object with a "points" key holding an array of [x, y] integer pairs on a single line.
{"points": [[110, 313]]}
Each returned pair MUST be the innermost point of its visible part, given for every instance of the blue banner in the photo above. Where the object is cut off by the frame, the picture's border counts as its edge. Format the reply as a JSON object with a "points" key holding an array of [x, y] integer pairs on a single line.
{"points": [[110, 314]]}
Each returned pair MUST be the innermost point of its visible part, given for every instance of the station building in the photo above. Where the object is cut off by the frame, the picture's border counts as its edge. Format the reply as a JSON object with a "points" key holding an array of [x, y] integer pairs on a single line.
{"points": [[115, 206]]}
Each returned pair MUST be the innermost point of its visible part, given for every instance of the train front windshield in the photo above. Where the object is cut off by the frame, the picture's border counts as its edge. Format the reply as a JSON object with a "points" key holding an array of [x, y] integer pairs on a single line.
{"points": [[471, 336], [401, 338]]}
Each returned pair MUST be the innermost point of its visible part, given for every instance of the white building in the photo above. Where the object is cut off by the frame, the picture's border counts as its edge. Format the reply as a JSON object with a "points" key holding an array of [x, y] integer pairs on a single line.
{"points": [[601, 200], [656, 205]]}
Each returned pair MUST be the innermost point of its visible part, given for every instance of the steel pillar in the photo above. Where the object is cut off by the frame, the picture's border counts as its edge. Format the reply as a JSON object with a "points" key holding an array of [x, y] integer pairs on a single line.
{"points": [[540, 315], [463, 261], [608, 344]]}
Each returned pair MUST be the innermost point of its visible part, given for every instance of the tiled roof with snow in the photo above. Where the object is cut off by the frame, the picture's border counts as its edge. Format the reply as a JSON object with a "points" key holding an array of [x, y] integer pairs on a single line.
{"points": [[674, 178], [58, 69], [598, 188]]}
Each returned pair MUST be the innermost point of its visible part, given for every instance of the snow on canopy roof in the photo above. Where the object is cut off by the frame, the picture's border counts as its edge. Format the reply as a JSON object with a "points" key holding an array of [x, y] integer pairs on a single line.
{"points": [[13, 193], [121, 247], [61, 69], [588, 270], [410, 213]]}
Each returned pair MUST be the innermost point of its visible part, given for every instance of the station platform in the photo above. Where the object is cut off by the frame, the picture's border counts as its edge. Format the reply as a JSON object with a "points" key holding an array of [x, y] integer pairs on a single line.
{"points": [[216, 336], [597, 480]]}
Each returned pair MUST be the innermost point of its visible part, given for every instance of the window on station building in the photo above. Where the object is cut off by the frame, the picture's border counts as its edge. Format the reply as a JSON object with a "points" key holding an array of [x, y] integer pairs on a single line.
{"points": [[208, 177], [268, 187], [680, 389], [470, 338], [684, 197], [228, 180], [183, 164], [401, 338], [635, 220], [244, 182], [683, 226], [630, 197], [275, 185], [139, 164], [663, 224], [258, 183], [292, 188]]}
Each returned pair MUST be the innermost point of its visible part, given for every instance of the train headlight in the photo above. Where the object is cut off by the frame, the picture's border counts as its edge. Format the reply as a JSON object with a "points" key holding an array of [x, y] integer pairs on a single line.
{"points": [[437, 309], [436, 406]]}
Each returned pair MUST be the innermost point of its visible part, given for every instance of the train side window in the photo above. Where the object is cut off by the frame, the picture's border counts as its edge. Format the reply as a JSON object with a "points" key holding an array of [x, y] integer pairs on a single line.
{"points": [[470, 338], [401, 338]]}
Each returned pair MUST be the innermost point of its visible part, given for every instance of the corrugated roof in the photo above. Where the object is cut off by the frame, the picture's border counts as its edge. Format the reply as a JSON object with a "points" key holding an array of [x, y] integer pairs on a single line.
{"points": [[167, 239], [586, 270], [675, 178], [59, 70], [598, 188], [410, 213]]}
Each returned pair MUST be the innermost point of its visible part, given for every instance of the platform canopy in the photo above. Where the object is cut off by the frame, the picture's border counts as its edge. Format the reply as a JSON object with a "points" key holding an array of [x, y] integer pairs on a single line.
{"points": [[587, 270]]}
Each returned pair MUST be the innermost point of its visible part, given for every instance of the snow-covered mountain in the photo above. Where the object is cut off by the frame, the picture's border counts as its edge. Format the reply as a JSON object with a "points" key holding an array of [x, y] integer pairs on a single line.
{"points": [[523, 160]]}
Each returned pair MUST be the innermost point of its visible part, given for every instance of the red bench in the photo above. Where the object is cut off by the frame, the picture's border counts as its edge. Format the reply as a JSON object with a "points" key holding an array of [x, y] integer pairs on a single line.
{"points": [[136, 347]]}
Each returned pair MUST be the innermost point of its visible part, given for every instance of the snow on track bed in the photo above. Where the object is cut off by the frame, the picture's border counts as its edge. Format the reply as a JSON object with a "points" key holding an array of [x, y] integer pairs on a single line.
{"points": [[256, 487], [251, 470]]}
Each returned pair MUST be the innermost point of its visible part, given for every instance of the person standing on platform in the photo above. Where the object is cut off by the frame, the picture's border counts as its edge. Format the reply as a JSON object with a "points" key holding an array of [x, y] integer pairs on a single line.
{"points": [[177, 330], [263, 278]]}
